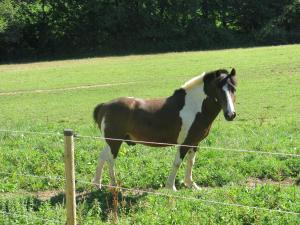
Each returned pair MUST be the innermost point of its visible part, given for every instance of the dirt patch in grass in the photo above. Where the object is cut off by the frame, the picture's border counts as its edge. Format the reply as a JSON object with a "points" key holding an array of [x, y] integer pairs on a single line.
{"points": [[252, 182], [41, 195]]}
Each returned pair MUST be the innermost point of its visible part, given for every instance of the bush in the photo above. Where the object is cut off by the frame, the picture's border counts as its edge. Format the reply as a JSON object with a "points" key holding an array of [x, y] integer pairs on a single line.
{"points": [[272, 34], [283, 29]]}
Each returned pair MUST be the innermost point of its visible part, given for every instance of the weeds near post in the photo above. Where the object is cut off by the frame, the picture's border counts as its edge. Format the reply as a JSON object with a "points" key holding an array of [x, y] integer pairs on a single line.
{"points": [[115, 203]]}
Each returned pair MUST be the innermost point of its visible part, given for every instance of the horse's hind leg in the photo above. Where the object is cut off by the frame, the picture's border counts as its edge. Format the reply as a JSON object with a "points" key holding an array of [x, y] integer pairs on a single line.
{"points": [[109, 154], [114, 147], [104, 155]]}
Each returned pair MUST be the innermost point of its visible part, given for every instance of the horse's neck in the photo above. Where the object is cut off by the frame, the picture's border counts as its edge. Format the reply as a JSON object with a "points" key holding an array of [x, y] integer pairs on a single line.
{"points": [[211, 109], [195, 98], [198, 102]]}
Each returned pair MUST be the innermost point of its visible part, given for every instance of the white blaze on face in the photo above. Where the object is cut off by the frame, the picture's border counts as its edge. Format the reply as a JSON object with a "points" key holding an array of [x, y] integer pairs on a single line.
{"points": [[230, 107]]}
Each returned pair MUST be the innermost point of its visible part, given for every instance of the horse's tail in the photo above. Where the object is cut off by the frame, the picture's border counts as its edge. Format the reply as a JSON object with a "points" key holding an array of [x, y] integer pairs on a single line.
{"points": [[99, 113]]}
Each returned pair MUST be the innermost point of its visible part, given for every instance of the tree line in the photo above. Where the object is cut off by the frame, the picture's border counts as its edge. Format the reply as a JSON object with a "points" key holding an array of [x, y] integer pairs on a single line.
{"points": [[50, 28]]}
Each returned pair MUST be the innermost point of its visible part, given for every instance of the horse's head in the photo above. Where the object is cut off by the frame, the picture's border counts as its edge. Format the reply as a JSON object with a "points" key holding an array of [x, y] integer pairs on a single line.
{"points": [[221, 86]]}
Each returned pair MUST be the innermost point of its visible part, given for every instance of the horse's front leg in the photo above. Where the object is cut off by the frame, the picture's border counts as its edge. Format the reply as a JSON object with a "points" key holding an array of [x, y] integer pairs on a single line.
{"points": [[181, 152], [188, 179]]}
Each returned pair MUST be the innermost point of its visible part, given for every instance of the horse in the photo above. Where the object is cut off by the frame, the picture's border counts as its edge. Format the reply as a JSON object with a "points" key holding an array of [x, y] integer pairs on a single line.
{"points": [[184, 119]]}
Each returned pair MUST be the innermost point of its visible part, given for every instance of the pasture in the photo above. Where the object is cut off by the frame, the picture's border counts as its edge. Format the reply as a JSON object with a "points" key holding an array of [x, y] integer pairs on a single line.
{"points": [[267, 120]]}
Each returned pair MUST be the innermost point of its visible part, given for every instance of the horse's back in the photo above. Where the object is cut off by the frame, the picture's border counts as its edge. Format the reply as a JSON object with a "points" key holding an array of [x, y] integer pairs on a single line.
{"points": [[141, 119], [154, 120]]}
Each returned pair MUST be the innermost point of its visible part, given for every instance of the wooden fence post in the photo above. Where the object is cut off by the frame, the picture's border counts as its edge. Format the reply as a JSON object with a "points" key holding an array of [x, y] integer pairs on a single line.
{"points": [[70, 177]]}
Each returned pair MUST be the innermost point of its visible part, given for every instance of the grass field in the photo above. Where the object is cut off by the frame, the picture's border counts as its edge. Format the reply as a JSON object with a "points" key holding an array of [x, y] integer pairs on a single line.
{"points": [[268, 120]]}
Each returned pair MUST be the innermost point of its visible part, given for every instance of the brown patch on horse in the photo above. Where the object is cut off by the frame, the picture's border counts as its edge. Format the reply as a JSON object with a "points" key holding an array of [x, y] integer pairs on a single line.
{"points": [[153, 120]]}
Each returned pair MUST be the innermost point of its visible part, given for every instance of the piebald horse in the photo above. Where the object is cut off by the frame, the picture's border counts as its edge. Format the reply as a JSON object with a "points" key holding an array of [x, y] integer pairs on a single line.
{"points": [[184, 118]]}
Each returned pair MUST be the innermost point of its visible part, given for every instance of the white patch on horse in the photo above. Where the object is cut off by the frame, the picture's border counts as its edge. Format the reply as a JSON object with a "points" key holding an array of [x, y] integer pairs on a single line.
{"points": [[230, 106], [193, 104], [104, 155]]}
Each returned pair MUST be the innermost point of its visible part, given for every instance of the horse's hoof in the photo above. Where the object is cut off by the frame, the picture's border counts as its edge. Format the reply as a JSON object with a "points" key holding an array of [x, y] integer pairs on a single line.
{"points": [[192, 185], [195, 186], [171, 187]]}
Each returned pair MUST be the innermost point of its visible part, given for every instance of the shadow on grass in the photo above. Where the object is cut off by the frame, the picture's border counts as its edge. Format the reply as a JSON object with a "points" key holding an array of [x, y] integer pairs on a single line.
{"points": [[109, 201]]}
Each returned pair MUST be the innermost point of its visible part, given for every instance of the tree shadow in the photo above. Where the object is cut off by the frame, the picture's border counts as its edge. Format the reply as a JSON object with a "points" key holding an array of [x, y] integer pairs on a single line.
{"points": [[152, 48]]}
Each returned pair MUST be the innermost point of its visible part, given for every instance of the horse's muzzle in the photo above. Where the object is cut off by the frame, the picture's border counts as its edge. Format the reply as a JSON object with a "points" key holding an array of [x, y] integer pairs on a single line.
{"points": [[229, 116]]}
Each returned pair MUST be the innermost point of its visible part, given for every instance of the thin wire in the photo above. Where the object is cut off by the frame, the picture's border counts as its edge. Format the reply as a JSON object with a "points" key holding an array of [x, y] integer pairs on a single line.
{"points": [[166, 195], [189, 146], [156, 143], [194, 199], [39, 218]]}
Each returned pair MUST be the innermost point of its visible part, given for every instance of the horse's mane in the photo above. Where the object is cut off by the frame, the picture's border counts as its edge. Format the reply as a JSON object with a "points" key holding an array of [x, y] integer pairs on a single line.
{"points": [[198, 80], [195, 81]]}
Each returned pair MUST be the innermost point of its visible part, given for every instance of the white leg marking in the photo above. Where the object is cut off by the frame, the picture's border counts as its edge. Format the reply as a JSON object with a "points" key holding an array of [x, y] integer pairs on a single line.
{"points": [[192, 105], [230, 106], [176, 164], [104, 155], [188, 179]]}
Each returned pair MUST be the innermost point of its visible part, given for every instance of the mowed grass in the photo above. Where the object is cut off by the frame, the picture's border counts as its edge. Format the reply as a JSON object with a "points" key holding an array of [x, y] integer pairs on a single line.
{"points": [[268, 120]]}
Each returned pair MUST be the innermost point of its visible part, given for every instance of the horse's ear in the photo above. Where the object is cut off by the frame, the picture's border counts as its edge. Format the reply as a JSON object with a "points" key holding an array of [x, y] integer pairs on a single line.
{"points": [[233, 77], [232, 73]]}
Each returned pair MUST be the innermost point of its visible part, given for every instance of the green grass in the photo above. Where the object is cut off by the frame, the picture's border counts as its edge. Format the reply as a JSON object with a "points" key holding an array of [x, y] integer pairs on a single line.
{"points": [[268, 120]]}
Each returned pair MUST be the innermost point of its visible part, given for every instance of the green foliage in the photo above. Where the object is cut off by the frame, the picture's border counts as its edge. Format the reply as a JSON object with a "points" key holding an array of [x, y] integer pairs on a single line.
{"points": [[28, 209], [52, 28], [6, 14], [284, 28], [10, 23]]}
